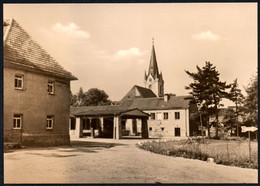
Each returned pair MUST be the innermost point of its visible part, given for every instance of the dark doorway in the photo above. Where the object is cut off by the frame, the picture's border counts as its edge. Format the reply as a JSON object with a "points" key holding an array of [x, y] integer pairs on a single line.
{"points": [[177, 132], [108, 127]]}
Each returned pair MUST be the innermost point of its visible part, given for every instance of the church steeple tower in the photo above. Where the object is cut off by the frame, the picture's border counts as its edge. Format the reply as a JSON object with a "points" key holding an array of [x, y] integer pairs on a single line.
{"points": [[153, 80]]}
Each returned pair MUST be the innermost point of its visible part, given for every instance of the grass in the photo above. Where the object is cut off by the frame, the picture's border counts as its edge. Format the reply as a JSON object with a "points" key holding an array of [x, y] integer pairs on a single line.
{"points": [[226, 152]]}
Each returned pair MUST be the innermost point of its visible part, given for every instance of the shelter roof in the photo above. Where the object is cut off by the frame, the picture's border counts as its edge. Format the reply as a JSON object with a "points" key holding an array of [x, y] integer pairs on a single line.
{"points": [[108, 110], [21, 50]]}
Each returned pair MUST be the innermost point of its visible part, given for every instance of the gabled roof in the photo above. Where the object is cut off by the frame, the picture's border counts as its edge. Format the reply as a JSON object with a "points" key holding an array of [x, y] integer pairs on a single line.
{"points": [[174, 102], [21, 50], [139, 92]]}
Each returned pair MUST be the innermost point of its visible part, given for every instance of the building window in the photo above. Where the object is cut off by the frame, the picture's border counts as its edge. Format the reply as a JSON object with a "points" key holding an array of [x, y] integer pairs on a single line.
{"points": [[18, 82], [17, 121], [177, 115], [152, 117], [165, 115], [51, 87], [72, 123], [49, 122], [159, 116], [162, 128], [150, 128]]}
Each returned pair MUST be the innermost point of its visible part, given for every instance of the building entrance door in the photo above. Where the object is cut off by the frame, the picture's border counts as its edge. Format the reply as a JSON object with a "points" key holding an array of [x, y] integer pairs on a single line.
{"points": [[177, 132]]}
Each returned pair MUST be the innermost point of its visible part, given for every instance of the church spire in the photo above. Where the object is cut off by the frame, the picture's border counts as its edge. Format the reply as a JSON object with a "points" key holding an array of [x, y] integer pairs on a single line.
{"points": [[153, 67]]}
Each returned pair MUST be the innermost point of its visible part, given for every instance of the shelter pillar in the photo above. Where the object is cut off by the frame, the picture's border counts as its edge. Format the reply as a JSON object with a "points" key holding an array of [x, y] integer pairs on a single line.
{"points": [[79, 122], [92, 134], [101, 126], [78, 128], [134, 126], [145, 134], [117, 128]]}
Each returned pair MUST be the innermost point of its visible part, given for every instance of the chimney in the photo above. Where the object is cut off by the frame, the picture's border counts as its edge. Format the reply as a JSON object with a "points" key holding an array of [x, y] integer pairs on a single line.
{"points": [[166, 97]]}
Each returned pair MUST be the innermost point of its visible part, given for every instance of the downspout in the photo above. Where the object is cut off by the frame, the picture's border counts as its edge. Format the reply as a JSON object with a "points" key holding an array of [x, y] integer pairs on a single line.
{"points": [[186, 122]]}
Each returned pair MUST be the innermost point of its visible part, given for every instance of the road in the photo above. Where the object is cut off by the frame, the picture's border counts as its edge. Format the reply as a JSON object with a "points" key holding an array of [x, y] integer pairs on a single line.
{"points": [[111, 161]]}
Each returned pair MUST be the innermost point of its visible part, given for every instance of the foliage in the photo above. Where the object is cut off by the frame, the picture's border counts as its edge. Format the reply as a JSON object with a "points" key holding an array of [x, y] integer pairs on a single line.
{"points": [[92, 97], [235, 94], [230, 119], [208, 90], [234, 153], [251, 101], [237, 97]]}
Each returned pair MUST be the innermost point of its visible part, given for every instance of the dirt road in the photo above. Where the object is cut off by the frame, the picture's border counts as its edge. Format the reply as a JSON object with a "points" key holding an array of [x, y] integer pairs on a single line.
{"points": [[110, 161]]}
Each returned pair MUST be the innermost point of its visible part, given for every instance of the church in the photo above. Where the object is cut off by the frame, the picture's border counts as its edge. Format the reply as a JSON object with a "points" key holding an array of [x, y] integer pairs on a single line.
{"points": [[150, 112]]}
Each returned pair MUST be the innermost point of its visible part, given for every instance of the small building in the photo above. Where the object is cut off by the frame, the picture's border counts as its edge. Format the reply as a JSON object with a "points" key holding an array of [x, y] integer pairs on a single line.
{"points": [[104, 121], [36, 91]]}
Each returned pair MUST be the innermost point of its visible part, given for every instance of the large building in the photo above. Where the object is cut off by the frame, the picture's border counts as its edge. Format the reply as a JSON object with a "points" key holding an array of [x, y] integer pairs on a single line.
{"points": [[36, 91], [169, 115]]}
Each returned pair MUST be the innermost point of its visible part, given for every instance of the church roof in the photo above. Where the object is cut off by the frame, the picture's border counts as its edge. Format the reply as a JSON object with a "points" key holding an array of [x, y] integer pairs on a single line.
{"points": [[153, 67], [21, 50], [139, 92], [174, 102]]}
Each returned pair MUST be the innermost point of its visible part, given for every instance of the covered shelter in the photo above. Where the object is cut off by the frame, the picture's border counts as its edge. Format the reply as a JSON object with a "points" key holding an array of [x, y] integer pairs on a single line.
{"points": [[105, 121]]}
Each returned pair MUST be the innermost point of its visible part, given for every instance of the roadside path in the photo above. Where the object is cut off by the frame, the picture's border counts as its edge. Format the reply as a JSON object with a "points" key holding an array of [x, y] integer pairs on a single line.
{"points": [[110, 161]]}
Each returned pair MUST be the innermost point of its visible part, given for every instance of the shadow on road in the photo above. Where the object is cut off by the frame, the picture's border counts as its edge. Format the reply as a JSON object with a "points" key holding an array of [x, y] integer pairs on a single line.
{"points": [[75, 147]]}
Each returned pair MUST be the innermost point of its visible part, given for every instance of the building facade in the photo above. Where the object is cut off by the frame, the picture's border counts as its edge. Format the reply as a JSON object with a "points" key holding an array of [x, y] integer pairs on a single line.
{"points": [[36, 92]]}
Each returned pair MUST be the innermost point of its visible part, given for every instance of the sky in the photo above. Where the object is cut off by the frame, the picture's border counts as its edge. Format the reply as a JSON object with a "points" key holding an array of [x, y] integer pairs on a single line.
{"points": [[108, 46]]}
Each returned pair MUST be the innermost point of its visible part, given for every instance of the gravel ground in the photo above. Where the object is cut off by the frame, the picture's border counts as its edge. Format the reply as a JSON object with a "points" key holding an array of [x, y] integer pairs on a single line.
{"points": [[111, 161]]}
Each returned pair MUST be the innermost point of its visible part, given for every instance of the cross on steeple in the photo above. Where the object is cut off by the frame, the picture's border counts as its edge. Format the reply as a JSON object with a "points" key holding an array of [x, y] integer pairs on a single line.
{"points": [[153, 40]]}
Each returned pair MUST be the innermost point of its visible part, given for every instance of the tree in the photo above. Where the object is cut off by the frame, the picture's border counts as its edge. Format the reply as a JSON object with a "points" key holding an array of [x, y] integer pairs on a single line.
{"points": [[251, 101], [237, 97], [230, 119], [96, 97], [92, 97], [208, 90], [73, 99]]}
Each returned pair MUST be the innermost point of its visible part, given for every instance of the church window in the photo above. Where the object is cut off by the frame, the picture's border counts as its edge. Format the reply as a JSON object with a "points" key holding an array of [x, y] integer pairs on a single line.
{"points": [[150, 86]]}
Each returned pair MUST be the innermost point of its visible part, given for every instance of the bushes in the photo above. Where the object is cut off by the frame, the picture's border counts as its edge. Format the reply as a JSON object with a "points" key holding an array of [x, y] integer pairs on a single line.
{"points": [[234, 153]]}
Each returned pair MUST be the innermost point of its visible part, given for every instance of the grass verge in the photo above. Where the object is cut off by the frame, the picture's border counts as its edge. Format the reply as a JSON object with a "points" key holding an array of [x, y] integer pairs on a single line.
{"points": [[226, 152]]}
